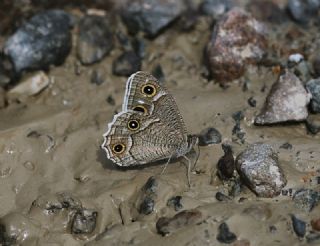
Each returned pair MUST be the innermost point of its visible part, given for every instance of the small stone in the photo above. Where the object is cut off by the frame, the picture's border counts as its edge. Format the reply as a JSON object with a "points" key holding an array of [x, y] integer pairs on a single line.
{"points": [[175, 202], [225, 235], [185, 218], [258, 167], [226, 164], [84, 222], [299, 226], [313, 86], [306, 199], [301, 11], [286, 101], [147, 206], [237, 41], [30, 86], [235, 187], [97, 77], [95, 39], [315, 223], [43, 40], [126, 64], [313, 124], [209, 136], [111, 100], [287, 146], [29, 165], [150, 16], [296, 58], [252, 102], [215, 8], [222, 197], [151, 185]]}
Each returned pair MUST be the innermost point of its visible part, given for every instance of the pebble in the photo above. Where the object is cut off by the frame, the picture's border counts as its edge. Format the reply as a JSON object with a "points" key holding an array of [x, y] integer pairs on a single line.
{"points": [[175, 202], [259, 169], [147, 206], [209, 136], [222, 197], [40, 42], [111, 101], [148, 195], [126, 64], [84, 222], [287, 146], [306, 199], [296, 58], [150, 16], [301, 10], [252, 102], [315, 224], [182, 219], [215, 8], [299, 226], [30, 86], [236, 130], [225, 235], [286, 101], [227, 53], [313, 86], [95, 39], [313, 124], [226, 164]]}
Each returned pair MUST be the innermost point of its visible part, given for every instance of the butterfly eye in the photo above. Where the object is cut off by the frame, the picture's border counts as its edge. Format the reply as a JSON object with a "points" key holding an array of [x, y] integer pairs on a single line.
{"points": [[133, 125], [149, 90], [118, 148], [140, 108]]}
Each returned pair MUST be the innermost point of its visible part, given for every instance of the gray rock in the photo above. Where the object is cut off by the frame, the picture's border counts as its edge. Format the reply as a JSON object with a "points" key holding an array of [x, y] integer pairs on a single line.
{"points": [[150, 16], [236, 41], [95, 39], [286, 101], [302, 10], [299, 226], [313, 86], [40, 42], [148, 195], [313, 123], [209, 136], [258, 167], [306, 199], [225, 235], [175, 202], [126, 64], [215, 8], [226, 164], [84, 222]]}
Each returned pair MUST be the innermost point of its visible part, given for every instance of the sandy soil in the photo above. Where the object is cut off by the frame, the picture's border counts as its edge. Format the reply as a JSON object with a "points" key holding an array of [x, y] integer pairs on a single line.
{"points": [[70, 117]]}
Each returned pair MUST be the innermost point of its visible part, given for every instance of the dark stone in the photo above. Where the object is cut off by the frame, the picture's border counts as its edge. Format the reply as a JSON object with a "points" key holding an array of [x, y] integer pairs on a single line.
{"points": [[226, 164], [235, 187], [84, 222], [126, 64], [259, 169], [303, 10], [182, 219], [313, 86], [96, 77], [215, 8], [209, 136], [157, 72], [150, 16], [111, 100], [95, 39], [34, 134], [175, 202], [236, 130], [286, 101], [225, 235], [147, 206], [306, 199], [222, 197], [151, 185], [299, 226], [225, 54], [252, 102], [40, 42], [272, 229], [287, 146], [6, 70], [124, 41], [315, 224], [313, 124], [139, 47]]}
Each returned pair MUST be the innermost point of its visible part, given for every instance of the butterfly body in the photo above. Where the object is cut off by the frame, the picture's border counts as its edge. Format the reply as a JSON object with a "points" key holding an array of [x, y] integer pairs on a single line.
{"points": [[149, 127]]}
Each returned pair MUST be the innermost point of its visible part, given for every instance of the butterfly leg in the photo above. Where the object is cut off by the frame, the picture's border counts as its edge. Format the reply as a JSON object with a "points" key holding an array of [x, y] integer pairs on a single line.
{"points": [[165, 166], [188, 171]]}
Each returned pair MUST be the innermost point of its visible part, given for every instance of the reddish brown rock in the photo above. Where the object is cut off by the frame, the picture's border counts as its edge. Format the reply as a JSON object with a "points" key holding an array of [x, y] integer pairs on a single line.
{"points": [[237, 40], [315, 223]]}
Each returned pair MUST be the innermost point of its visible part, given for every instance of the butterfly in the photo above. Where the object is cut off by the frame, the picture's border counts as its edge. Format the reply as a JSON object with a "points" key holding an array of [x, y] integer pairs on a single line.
{"points": [[149, 127]]}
